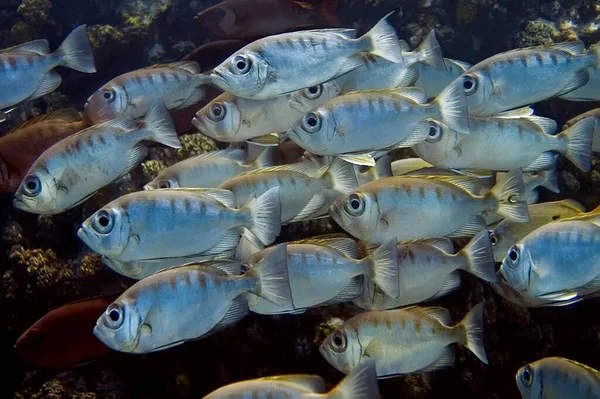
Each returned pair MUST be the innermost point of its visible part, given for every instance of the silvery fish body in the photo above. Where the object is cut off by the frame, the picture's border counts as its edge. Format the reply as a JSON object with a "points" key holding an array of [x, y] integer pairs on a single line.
{"points": [[589, 91], [492, 142], [382, 168], [405, 166], [79, 165], [280, 64], [177, 85], [404, 341], [428, 269], [306, 191], [234, 119], [558, 378], [520, 77], [434, 81], [558, 261], [412, 208], [507, 233], [178, 222], [594, 115]]}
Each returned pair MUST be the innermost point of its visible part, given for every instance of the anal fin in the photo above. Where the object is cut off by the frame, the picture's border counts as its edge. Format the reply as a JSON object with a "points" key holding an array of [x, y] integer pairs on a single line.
{"points": [[472, 226], [237, 311], [49, 82], [445, 360]]}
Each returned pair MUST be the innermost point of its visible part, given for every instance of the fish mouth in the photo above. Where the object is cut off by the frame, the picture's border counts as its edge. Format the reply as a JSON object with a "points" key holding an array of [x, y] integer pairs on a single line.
{"points": [[83, 236], [296, 105], [199, 124], [217, 78]]}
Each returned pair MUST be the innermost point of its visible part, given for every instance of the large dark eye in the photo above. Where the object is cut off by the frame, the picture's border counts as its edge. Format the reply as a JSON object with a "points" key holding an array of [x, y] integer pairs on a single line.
{"points": [[103, 221], [114, 315], [338, 341], [241, 64], [513, 256], [355, 205], [216, 112], [164, 183], [435, 133], [32, 186], [109, 95], [527, 376], [493, 239], [469, 84], [313, 92], [311, 122]]}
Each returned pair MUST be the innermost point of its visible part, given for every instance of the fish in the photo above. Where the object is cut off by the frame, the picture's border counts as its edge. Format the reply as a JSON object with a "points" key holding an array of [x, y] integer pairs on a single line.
{"points": [[404, 341], [587, 92], [63, 337], [507, 233], [234, 119], [557, 261], [520, 77], [187, 302], [305, 189], [558, 378], [407, 165], [281, 64], [211, 54], [236, 19], [414, 208], [498, 136], [20, 147], [360, 383], [532, 180], [73, 169], [428, 270], [135, 226], [433, 80], [28, 71], [323, 271], [209, 170], [382, 168], [355, 124], [594, 115], [178, 85]]}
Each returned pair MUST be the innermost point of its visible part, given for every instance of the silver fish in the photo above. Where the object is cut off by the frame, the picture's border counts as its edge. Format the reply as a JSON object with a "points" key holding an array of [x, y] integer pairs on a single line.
{"points": [[355, 124], [187, 302], [558, 378], [27, 70], [594, 115], [177, 85], [520, 77], [428, 269], [413, 208], [589, 91], [178, 222], [73, 169], [284, 63], [434, 80], [382, 168], [559, 261], [361, 383], [306, 191], [532, 180], [492, 142], [209, 170], [325, 271], [234, 119], [405, 166], [404, 341]]}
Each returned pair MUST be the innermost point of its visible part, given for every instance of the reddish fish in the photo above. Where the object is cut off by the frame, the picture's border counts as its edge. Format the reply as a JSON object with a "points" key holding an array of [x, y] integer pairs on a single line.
{"points": [[24, 144], [64, 337], [237, 19]]}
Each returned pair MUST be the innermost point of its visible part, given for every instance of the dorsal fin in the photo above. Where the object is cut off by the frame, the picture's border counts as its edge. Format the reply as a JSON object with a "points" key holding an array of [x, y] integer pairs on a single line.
{"points": [[40, 46], [346, 33], [125, 123], [225, 197], [546, 124], [440, 314], [443, 244], [573, 47], [190, 66], [235, 154], [66, 114], [345, 245], [312, 383], [515, 113], [308, 168], [593, 371], [416, 94], [461, 64]]}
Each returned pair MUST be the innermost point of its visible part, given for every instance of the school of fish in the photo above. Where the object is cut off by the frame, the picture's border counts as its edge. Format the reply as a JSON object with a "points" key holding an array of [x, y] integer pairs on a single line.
{"points": [[201, 239]]}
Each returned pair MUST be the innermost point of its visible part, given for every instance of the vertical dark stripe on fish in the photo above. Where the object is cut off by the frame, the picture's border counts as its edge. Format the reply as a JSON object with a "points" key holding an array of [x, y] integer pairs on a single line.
{"points": [[554, 59], [187, 280]]}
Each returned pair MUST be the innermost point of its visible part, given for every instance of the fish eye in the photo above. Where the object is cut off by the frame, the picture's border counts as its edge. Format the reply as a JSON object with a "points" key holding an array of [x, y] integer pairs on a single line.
{"points": [[313, 92], [108, 94], [493, 239], [339, 341], [103, 221], [469, 85], [435, 133], [241, 64], [216, 112], [114, 315], [32, 186], [513, 256], [527, 376], [311, 122], [355, 205], [163, 183]]}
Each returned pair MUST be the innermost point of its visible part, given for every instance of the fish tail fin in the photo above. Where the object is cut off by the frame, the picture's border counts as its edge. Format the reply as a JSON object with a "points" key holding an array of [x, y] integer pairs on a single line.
{"points": [[271, 274], [506, 194], [75, 52], [431, 53], [265, 214], [480, 257], [551, 181], [384, 41], [343, 176], [579, 143], [266, 157], [453, 107], [159, 126], [472, 326], [384, 272], [327, 9], [360, 383]]}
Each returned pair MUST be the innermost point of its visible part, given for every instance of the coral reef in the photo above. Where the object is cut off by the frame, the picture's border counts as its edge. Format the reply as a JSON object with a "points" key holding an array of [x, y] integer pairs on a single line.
{"points": [[536, 33], [55, 389], [152, 168], [195, 144]]}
